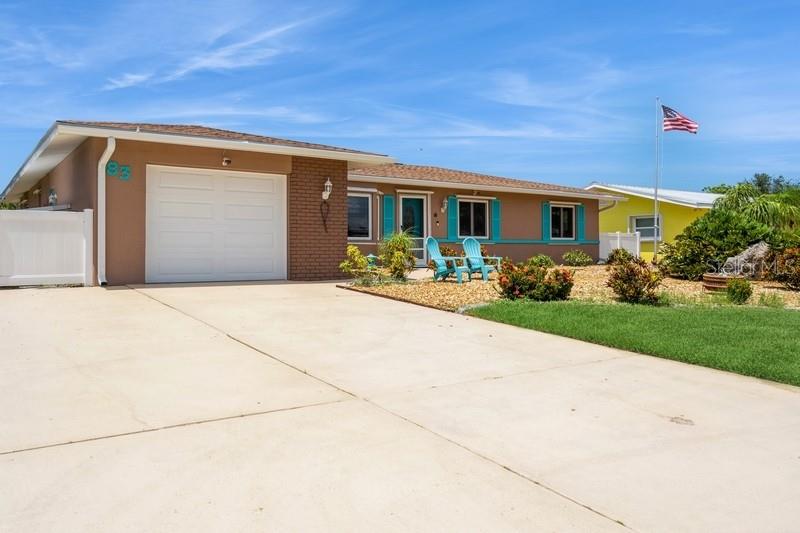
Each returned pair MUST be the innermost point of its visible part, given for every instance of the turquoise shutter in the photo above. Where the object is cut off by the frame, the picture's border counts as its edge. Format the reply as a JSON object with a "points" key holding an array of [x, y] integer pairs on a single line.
{"points": [[452, 218], [546, 221], [580, 221], [388, 215], [496, 218]]}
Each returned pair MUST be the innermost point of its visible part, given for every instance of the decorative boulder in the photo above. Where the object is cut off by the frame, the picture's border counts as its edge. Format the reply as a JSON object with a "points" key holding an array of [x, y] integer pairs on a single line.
{"points": [[750, 263]]}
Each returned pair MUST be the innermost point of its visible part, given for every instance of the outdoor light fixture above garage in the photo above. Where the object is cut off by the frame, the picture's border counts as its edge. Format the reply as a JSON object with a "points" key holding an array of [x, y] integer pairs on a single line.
{"points": [[326, 193]]}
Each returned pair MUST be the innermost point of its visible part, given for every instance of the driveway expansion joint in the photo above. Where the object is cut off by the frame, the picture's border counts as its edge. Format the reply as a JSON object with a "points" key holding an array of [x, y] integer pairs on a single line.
{"points": [[172, 426], [408, 420]]}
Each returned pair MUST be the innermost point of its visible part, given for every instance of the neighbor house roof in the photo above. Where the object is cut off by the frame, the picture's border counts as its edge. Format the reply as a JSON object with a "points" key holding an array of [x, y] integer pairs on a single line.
{"points": [[694, 199], [400, 173], [66, 135]]}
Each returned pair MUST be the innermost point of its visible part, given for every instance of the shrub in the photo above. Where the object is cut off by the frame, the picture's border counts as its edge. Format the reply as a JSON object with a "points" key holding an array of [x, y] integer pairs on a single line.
{"points": [[634, 281], [707, 242], [771, 299], [787, 268], [619, 255], [738, 291], [357, 266], [534, 282], [541, 260], [395, 254], [577, 258]]}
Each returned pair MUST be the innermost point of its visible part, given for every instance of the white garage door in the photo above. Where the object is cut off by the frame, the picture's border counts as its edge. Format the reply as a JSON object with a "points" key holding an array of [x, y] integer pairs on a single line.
{"points": [[210, 225]]}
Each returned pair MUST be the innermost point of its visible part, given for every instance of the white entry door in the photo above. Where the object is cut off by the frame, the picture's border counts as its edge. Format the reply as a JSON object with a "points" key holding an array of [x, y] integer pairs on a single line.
{"points": [[214, 225]]}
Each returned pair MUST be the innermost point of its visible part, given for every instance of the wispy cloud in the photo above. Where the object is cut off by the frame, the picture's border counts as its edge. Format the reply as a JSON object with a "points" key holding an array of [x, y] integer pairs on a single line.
{"points": [[576, 92], [249, 52], [213, 110], [126, 80], [700, 30]]}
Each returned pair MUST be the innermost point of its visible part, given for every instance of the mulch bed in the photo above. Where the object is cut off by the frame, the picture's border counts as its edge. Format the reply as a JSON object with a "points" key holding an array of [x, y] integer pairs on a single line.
{"points": [[590, 285]]}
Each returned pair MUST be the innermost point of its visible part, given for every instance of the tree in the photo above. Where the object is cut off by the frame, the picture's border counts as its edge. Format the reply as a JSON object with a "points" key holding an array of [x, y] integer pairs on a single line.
{"points": [[766, 184], [761, 182], [8, 205], [722, 188], [777, 209]]}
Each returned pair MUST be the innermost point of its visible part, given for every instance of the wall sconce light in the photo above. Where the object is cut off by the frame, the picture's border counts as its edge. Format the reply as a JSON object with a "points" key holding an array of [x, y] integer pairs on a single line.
{"points": [[326, 193], [226, 161], [444, 205]]}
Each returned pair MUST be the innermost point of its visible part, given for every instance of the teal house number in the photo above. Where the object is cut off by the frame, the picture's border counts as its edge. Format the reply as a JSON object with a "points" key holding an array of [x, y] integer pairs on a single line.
{"points": [[121, 172]]}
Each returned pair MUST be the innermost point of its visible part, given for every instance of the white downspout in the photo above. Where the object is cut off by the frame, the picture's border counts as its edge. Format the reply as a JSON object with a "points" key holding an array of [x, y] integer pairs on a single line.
{"points": [[610, 206], [101, 210]]}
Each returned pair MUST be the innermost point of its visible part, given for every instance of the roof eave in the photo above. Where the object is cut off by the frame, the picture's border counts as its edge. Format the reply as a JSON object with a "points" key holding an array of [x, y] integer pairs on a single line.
{"points": [[492, 188], [232, 144], [650, 197], [59, 128]]}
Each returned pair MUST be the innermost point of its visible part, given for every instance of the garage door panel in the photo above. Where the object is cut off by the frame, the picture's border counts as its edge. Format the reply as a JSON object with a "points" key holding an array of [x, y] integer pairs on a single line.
{"points": [[183, 180], [250, 185], [228, 226], [176, 240], [249, 212], [259, 266], [260, 241], [177, 266], [174, 209]]}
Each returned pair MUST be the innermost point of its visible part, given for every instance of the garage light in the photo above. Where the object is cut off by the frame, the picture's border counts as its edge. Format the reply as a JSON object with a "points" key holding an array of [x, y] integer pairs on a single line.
{"points": [[326, 193]]}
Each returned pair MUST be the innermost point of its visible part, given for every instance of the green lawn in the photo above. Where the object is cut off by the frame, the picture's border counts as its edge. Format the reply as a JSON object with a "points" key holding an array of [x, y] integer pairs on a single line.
{"points": [[760, 342]]}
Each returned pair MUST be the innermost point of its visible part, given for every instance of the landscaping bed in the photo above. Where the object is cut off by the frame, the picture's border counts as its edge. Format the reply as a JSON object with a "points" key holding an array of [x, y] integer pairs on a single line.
{"points": [[590, 285]]}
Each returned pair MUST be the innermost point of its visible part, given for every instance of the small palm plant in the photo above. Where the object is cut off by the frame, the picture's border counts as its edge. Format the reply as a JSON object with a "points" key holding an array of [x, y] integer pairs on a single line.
{"points": [[396, 256], [779, 210]]}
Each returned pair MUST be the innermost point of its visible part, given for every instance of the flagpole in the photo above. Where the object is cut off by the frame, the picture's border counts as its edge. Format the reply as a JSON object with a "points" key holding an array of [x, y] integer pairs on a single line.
{"points": [[657, 228]]}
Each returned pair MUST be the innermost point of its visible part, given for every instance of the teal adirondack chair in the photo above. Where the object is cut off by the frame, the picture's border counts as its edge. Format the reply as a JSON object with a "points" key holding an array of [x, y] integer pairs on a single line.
{"points": [[476, 262], [444, 266]]}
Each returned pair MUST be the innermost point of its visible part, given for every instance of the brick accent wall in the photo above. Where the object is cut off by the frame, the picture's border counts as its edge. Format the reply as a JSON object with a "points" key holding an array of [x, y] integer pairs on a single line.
{"points": [[315, 254]]}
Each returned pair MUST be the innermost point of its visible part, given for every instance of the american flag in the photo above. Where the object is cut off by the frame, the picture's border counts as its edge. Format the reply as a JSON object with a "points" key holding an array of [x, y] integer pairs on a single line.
{"points": [[675, 121]]}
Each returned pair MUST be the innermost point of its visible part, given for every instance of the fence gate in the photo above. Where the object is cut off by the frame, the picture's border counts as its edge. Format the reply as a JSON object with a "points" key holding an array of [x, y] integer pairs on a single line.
{"points": [[627, 241], [46, 247]]}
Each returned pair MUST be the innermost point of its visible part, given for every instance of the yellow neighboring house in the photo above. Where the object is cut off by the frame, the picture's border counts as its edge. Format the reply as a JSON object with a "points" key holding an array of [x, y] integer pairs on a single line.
{"points": [[677, 209]]}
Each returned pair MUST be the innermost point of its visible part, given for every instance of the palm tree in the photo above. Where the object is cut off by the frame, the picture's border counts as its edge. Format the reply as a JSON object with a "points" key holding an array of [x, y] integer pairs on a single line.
{"points": [[780, 210]]}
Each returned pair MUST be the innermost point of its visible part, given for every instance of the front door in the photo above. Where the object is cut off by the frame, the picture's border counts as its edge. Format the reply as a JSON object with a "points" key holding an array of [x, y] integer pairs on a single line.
{"points": [[413, 220]]}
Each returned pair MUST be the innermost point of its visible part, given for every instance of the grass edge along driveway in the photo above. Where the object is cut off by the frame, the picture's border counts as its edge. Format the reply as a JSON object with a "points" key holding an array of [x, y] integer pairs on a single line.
{"points": [[758, 342]]}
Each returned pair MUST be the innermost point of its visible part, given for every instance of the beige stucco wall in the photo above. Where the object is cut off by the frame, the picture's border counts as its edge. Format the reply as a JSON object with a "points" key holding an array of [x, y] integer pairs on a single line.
{"points": [[74, 179], [125, 204], [521, 218]]}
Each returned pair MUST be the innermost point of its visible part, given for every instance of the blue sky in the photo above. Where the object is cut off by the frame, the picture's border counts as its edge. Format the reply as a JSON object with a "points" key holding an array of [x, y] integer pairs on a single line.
{"points": [[551, 91]]}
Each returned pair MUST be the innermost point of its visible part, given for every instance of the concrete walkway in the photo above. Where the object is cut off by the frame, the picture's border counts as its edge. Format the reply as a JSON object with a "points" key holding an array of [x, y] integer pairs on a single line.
{"points": [[287, 407]]}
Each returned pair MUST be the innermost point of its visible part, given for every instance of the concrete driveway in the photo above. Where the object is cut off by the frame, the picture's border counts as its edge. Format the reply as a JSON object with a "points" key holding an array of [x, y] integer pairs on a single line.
{"points": [[287, 407]]}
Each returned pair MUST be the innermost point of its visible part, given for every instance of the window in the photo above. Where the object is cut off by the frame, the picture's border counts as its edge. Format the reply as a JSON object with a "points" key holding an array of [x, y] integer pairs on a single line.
{"points": [[359, 216], [473, 219], [562, 222], [646, 226]]}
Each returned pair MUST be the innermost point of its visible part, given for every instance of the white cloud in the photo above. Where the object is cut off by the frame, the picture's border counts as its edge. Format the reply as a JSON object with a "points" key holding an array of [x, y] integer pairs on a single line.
{"points": [[700, 30], [517, 88], [213, 110], [249, 52], [126, 80]]}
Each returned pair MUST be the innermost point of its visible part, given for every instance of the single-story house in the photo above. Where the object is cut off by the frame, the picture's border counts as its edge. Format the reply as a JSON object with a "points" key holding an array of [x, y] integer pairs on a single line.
{"points": [[513, 218], [178, 203], [677, 209]]}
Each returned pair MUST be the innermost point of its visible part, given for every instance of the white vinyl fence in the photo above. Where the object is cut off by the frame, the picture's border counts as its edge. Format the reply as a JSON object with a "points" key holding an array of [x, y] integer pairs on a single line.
{"points": [[628, 241], [45, 247]]}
